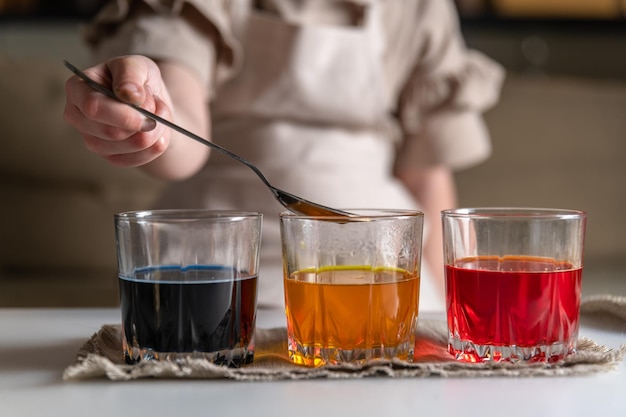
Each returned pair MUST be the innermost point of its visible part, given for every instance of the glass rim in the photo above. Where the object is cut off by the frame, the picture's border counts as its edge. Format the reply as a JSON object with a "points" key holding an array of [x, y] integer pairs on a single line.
{"points": [[360, 215], [186, 214], [514, 212]]}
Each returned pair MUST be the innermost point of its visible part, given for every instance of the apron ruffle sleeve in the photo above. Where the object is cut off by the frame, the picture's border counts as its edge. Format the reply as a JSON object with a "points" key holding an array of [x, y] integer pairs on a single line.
{"points": [[196, 33], [441, 105]]}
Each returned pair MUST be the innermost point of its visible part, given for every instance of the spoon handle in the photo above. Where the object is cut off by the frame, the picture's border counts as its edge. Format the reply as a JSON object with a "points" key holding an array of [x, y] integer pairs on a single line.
{"points": [[107, 92], [290, 201]]}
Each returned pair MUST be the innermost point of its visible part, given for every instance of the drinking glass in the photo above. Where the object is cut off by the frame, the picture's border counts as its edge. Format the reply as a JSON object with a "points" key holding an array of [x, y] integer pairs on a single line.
{"points": [[351, 285], [188, 284], [513, 282]]}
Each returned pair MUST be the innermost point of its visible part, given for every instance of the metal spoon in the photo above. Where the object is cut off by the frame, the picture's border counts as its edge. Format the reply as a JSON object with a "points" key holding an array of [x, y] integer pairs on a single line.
{"points": [[290, 201]]}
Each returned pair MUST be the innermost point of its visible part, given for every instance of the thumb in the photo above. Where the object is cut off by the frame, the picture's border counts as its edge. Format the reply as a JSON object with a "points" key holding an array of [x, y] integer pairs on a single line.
{"points": [[128, 77]]}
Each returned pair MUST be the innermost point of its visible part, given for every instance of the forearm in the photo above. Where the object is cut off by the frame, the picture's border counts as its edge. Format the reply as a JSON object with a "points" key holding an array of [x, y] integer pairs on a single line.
{"points": [[435, 190], [184, 156]]}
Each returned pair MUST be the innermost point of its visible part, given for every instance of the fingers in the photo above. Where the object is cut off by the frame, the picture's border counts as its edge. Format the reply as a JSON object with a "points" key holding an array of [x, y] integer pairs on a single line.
{"points": [[86, 107], [140, 148], [134, 143], [142, 157], [95, 116], [115, 130]]}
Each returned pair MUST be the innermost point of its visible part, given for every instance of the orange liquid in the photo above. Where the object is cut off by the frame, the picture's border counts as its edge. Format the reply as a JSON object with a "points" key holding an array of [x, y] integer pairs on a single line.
{"points": [[354, 309]]}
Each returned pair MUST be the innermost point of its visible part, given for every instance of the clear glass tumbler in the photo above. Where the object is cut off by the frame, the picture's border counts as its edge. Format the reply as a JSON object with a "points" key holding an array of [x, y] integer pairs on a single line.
{"points": [[351, 285], [513, 282], [188, 284]]}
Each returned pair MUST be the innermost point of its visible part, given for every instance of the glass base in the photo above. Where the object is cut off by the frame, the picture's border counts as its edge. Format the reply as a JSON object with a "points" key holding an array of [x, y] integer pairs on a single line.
{"points": [[467, 351], [316, 356], [233, 358]]}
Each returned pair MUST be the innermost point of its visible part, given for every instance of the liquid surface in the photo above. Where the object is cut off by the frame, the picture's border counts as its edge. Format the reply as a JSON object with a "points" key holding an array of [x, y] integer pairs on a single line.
{"points": [[212, 309], [524, 302], [356, 310]]}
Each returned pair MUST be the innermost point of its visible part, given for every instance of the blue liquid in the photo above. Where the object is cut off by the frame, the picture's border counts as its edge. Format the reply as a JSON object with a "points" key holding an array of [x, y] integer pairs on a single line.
{"points": [[198, 308]]}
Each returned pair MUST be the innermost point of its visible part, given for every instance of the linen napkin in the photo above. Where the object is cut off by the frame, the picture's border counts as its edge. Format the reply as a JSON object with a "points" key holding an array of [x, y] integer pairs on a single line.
{"points": [[101, 356], [604, 304]]}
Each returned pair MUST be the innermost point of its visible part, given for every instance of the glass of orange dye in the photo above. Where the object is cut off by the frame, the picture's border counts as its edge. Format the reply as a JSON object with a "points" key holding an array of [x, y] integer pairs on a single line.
{"points": [[351, 285], [513, 283]]}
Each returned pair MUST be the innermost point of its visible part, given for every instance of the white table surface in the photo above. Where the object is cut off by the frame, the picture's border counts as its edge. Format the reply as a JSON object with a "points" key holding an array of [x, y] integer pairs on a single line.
{"points": [[36, 345]]}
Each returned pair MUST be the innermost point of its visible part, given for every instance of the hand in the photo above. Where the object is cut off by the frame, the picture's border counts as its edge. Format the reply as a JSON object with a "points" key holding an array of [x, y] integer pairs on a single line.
{"points": [[117, 132]]}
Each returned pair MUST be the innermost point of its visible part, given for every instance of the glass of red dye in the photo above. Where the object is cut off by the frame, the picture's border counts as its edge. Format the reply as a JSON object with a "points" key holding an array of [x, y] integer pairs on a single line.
{"points": [[513, 282]]}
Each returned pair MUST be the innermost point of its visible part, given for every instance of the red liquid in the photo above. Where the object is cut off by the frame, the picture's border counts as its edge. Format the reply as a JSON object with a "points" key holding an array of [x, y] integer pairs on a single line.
{"points": [[521, 301]]}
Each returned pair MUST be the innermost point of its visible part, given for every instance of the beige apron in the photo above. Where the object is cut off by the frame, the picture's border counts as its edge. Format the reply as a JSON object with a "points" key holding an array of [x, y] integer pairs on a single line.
{"points": [[309, 109]]}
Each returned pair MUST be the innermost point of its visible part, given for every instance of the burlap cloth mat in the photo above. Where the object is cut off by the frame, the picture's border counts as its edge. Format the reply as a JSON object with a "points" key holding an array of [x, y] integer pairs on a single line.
{"points": [[101, 356]]}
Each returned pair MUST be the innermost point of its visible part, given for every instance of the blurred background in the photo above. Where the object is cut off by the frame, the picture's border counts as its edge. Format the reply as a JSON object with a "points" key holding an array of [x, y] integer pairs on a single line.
{"points": [[558, 132]]}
